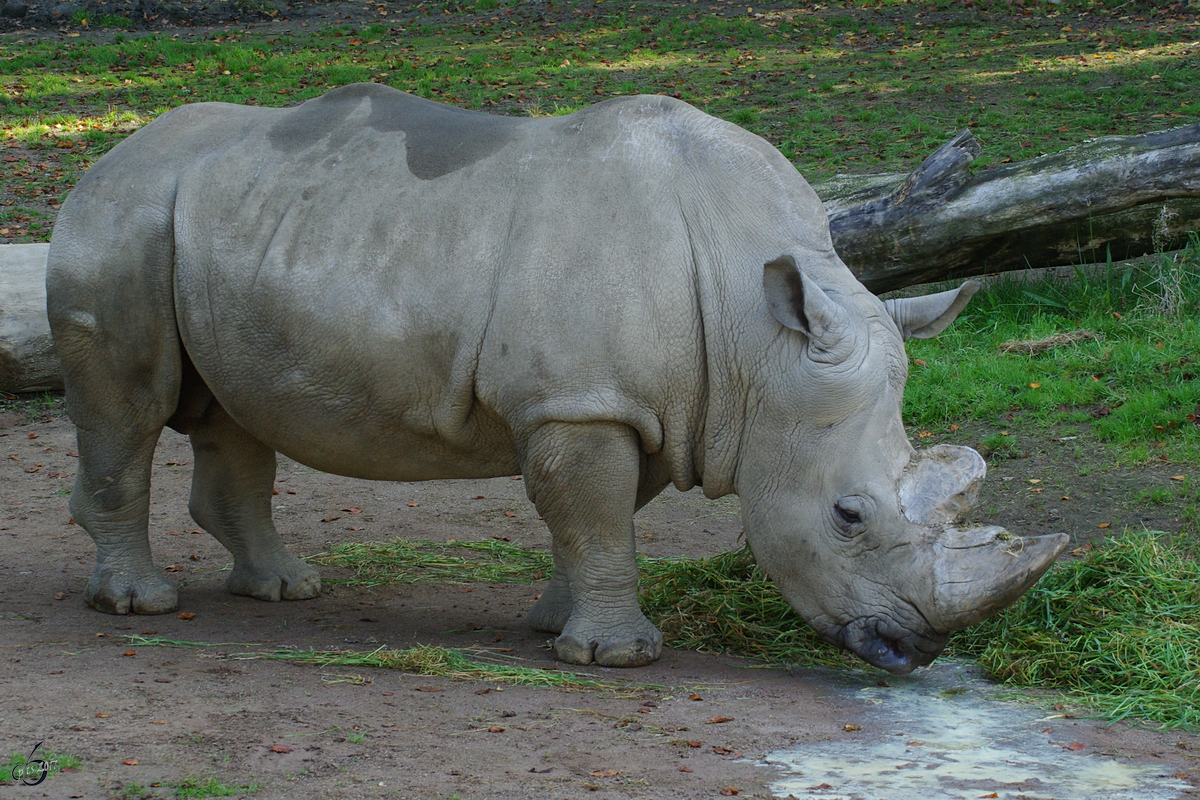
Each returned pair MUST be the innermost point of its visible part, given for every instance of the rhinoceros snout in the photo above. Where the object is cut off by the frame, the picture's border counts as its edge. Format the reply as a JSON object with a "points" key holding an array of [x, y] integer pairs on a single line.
{"points": [[883, 644]]}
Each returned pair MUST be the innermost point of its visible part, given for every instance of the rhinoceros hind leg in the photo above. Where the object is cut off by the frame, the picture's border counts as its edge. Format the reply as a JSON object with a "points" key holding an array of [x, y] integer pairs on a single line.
{"points": [[231, 499], [584, 479], [111, 500]]}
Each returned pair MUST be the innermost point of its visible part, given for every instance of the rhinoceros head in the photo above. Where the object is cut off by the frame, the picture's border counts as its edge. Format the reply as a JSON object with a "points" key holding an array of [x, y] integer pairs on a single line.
{"points": [[862, 534]]}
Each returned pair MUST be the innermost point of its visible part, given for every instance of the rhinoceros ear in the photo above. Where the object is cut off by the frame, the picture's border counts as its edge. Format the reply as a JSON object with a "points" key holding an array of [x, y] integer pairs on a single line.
{"points": [[799, 304], [926, 317]]}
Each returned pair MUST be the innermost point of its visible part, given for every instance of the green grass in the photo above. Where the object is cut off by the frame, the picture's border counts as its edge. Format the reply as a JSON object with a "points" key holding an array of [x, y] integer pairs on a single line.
{"points": [[404, 561], [211, 787], [1117, 631], [859, 88], [57, 762], [473, 665], [1134, 385]]}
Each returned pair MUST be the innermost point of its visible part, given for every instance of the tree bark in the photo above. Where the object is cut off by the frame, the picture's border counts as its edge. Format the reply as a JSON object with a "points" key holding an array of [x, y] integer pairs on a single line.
{"points": [[27, 359], [1118, 196]]}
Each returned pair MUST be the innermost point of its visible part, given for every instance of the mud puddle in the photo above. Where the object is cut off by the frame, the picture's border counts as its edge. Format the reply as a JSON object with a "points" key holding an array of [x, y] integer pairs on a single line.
{"points": [[952, 741]]}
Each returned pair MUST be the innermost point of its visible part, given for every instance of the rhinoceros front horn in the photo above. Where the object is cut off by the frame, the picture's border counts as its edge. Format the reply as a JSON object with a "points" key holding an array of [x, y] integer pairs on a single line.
{"points": [[981, 570], [800, 304]]}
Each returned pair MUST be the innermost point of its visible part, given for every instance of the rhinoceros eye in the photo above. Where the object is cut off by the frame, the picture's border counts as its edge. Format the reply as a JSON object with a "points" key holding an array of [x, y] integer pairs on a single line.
{"points": [[849, 513]]}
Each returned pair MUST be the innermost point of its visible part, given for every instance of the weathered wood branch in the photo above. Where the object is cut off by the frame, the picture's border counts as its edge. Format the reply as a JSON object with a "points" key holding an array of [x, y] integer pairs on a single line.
{"points": [[1076, 206]]}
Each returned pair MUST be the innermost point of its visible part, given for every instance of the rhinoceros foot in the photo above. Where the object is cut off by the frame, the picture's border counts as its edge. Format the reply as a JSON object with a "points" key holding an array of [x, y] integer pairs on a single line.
{"points": [[630, 645], [274, 577], [115, 592]]}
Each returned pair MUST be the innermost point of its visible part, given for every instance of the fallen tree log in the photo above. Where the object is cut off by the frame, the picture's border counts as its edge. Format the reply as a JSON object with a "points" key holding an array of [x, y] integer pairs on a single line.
{"points": [[1122, 196], [27, 359]]}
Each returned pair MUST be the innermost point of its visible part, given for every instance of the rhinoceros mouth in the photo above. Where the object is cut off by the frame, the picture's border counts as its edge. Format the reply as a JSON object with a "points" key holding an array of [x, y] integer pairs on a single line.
{"points": [[884, 644]]}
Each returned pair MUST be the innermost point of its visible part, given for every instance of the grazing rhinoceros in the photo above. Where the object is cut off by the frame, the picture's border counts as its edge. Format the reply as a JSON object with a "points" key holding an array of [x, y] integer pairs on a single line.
{"points": [[380, 286]]}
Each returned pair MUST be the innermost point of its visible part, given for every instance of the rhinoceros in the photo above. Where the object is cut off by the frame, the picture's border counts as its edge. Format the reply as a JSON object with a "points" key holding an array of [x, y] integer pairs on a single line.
{"points": [[607, 302]]}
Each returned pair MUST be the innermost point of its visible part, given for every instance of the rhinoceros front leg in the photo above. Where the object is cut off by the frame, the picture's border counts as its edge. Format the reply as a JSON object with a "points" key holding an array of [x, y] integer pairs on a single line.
{"points": [[111, 500], [583, 478], [552, 610], [231, 499]]}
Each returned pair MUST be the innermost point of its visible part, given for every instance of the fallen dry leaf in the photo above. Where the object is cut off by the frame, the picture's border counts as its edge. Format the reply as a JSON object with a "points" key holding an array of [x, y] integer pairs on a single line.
{"points": [[103, 716], [352, 510], [1178, 477], [685, 769], [60, 595], [694, 697], [280, 748], [694, 743], [730, 792], [1104, 525], [187, 615], [1035, 481], [158, 722], [130, 762], [130, 652], [495, 729], [1076, 747], [603, 773], [985, 796], [331, 518], [850, 726], [430, 689], [721, 750], [718, 720]]}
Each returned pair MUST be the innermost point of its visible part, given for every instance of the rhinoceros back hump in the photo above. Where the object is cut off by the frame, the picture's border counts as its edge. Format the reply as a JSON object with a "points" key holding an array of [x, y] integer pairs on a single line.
{"points": [[439, 139]]}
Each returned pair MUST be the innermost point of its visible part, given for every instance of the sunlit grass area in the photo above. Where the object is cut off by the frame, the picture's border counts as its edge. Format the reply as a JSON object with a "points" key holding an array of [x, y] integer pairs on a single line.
{"points": [[1132, 381], [857, 89]]}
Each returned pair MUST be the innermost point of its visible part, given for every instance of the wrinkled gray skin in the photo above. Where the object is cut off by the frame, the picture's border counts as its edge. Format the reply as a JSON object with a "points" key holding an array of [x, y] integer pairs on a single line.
{"points": [[380, 286]]}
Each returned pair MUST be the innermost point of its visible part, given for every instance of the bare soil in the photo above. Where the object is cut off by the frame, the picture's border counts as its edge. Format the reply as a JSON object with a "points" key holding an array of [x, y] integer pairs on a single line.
{"points": [[157, 716]]}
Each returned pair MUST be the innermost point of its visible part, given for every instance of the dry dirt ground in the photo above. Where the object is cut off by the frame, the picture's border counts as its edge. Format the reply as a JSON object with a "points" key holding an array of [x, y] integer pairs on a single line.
{"points": [[159, 716]]}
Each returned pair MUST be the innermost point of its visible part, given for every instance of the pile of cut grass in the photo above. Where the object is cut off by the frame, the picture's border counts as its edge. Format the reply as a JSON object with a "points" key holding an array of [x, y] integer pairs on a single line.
{"points": [[1117, 630], [405, 561], [464, 665]]}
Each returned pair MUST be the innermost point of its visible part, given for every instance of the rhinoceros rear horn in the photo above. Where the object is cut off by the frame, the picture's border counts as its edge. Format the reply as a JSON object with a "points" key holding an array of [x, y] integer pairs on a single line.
{"points": [[798, 303]]}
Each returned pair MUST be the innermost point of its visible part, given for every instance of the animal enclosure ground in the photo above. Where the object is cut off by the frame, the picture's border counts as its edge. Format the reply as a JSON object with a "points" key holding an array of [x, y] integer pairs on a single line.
{"points": [[155, 718]]}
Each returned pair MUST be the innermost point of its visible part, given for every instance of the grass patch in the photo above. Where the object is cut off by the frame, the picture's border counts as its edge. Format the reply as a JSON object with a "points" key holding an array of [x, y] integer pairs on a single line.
{"points": [[1132, 379], [1117, 630], [211, 787], [419, 660], [404, 561], [29, 767], [857, 88]]}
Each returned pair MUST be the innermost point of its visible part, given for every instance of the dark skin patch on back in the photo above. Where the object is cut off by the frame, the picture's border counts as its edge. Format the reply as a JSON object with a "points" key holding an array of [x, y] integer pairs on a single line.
{"points": [[438, 139]]}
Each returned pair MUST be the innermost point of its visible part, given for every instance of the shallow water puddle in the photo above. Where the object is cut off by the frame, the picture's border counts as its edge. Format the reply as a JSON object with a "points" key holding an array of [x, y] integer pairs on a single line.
{"points": [[948, 740]]}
